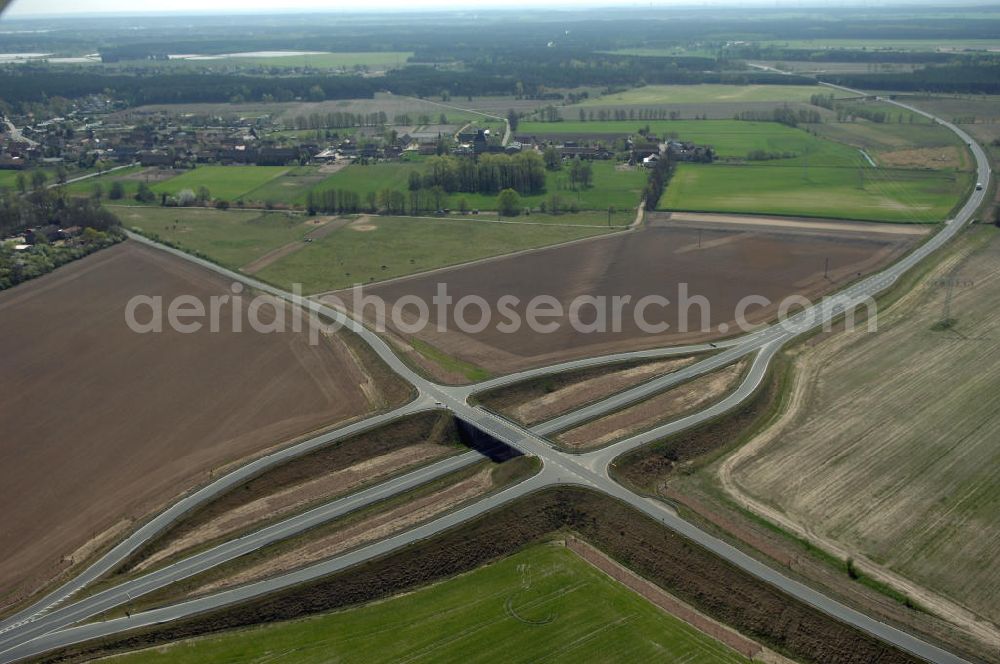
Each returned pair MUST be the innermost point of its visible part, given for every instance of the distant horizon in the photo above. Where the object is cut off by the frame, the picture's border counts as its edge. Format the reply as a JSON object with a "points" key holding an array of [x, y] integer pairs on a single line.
{"points": [[56, 9]]}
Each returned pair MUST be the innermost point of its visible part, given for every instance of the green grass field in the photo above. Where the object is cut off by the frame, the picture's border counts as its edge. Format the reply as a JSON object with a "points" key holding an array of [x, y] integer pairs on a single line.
{"points": [[844, 193], [8, 179], [700, 94], [542, 604], [619, 188], [224, 182], [372, 177], [386, 247], [889, 135], [611, 186], [86, 187], [824, 177], [732, 139], [232, 238], [290, 187]]}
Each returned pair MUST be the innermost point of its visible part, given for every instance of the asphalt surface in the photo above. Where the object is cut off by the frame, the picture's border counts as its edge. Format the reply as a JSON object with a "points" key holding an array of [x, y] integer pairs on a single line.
{"points": [[46, 625], [127, 591]]}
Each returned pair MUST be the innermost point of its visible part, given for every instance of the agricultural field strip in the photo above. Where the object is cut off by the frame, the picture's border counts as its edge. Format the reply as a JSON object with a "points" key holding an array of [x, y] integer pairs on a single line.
{"points": [[244, 544], [587, 470], [200, 497]]}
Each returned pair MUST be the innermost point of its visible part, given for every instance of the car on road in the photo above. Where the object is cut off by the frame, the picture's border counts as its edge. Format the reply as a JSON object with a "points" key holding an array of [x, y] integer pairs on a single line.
{"points": [[979, 186]]}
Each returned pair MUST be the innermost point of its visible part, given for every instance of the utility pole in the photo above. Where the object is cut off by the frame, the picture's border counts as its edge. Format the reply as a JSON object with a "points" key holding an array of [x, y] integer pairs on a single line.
{"points": [[826, 269]]}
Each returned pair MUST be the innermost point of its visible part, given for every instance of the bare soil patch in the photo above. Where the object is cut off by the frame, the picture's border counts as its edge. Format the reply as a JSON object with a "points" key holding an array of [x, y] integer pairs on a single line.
{"points": [[542, 399], [769, 262], [685, 398], [151, 174], [362, 224], [103, 424]]}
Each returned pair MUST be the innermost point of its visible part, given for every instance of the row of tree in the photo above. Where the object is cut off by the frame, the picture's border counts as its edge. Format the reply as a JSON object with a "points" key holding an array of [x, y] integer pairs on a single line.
{"points": [[340, 120], [523, 172], [659, 178], [785, 115], [980, 77]]}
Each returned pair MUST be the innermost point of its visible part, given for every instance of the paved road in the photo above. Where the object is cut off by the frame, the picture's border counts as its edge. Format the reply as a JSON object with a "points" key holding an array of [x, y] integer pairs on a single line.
{"points": [[194, 499], [218, 555], [47, 629]]}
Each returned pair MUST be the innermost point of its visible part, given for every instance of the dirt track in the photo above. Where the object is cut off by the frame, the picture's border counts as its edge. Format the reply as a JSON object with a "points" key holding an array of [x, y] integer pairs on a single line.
{"points": [[324, 226], [102, 424], [722, 264]]}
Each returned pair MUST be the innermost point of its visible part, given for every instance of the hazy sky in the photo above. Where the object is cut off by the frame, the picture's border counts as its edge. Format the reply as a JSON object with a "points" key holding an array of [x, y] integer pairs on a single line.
{"points": [[53, 7]]}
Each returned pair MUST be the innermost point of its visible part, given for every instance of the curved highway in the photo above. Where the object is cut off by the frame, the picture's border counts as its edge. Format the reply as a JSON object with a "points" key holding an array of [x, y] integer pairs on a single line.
{"points": [[47, 624]]}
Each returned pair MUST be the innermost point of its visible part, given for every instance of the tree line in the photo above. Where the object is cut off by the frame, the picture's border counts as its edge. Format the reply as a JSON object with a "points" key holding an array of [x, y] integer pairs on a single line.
{"points": [[523, 172], [27, 84], [659, 178], [44, 207], [976, 77], [785, 115]]}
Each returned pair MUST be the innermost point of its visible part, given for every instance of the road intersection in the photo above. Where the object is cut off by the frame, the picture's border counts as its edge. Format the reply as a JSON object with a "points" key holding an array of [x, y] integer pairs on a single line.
{"points": [[54, 621]]}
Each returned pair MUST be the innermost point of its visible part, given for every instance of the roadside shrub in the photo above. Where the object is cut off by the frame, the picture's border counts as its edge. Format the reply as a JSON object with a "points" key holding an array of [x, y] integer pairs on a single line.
{"points": [[186, 197]]}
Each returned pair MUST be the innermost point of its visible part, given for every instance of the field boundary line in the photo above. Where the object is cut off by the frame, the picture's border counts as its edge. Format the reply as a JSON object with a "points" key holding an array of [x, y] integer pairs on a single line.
{"points": [[477, 261]]}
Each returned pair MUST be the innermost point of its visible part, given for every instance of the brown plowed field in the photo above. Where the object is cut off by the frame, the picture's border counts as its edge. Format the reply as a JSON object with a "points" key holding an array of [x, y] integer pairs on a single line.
{"points": [[723, 263], [100, 424]]}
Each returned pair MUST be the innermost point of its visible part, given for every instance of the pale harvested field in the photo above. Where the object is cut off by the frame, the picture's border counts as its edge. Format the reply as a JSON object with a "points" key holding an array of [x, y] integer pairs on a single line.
{"points": [[890, 451], [683, 399], [722, 264], [101, 424]]}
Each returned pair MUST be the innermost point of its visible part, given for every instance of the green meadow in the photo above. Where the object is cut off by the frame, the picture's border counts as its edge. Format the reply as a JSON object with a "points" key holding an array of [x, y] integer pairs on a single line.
{"points": [[232, 238], [374, 248], [543, 604], [731, 139], [845, 193], [224, 182]]}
